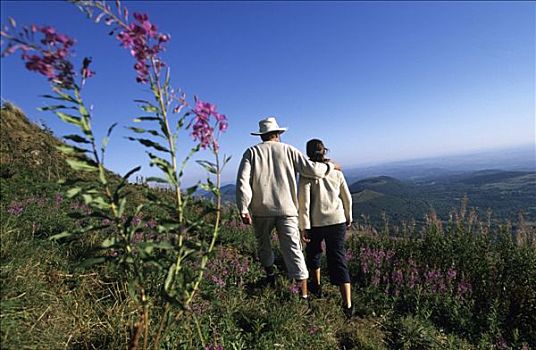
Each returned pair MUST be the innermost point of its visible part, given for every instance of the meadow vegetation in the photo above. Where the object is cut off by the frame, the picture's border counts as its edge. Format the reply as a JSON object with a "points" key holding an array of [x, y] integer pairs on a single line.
{"points": [[456, 284]]}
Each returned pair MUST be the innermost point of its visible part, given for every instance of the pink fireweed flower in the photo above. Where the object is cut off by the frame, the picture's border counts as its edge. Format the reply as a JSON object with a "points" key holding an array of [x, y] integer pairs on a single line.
{"points": [[294, 289], [49, 56], [144, 43], [202, 129]]}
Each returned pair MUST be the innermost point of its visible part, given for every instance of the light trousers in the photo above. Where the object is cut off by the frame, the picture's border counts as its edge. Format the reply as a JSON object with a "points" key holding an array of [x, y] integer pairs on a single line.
{"points": [[289, 243]]}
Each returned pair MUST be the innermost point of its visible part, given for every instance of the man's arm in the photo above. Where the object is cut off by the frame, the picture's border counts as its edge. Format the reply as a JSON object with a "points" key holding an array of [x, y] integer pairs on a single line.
{"points": [[244, 192], [305, 167]]}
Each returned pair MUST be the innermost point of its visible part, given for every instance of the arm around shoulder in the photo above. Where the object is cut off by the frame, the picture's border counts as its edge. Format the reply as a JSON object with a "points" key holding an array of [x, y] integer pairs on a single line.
{"points": [[307, 167]]}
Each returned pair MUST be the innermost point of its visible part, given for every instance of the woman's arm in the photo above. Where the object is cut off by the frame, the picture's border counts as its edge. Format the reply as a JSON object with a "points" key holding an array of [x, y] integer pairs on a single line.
{"points": [[346, 197], [304, 201]]}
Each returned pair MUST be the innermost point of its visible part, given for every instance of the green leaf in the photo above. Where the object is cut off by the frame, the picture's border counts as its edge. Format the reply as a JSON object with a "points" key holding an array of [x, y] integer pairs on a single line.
{"points": [[63, 97], [140, 119], [108, 242], [76, 138], [209, 166], [132, 171], [71, 150], [166, 227], [69, 118], [81, 165], [53, 108], [66, 96], [86, 128], [71, 192], [122, 205], [92, 261], [87, 198], [150, 108], [150, 143], [102, 175], [64, 234], [191, 190], [132, 289], [83, 111], [163, 245], [106, 139], [165, 166], [100, 202], [142, 131], [157, 179], [169, 278]]}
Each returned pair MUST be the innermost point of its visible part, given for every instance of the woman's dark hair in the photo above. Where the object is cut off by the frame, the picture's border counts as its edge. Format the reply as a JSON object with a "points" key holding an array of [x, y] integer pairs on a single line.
{"points": [[316, 151]]}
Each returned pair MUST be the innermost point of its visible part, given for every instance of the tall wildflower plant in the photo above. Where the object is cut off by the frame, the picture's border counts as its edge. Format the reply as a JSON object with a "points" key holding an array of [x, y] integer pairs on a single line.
{"points": [[180, 252]]}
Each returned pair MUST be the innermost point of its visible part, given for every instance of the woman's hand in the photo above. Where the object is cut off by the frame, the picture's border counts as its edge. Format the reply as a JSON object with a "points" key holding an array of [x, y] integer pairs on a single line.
{"points": [[246, 219], [348, 224], [305, 236]]}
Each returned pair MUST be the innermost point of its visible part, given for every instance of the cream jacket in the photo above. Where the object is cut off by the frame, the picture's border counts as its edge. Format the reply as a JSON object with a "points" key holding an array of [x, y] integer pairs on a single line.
{"points": [[325, 201], [266, 184]]}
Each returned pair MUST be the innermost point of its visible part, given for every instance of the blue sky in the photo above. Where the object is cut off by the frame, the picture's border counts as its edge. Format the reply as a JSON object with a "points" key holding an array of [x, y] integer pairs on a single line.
{"points": [[377, 81]]}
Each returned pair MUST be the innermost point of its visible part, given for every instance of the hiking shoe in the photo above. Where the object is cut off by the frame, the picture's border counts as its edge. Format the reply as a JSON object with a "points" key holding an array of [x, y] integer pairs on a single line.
{"points": [[307, 301], [316, 290], [348, 311], [269, 281]]}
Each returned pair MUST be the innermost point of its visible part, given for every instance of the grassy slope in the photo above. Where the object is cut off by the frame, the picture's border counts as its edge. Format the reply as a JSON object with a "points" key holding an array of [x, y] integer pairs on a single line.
{"points": [[49, 301]]}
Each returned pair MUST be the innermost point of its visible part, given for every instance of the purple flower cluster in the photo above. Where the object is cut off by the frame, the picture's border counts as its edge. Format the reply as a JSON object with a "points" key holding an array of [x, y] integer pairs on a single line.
{"points": [[17, 207], [382, 269], [84, 208], [227, 267], [145, 43], [235, 224], [48, 56], [294, 288], [313, 330], [58, 199], [214, 347], [202, 130]]}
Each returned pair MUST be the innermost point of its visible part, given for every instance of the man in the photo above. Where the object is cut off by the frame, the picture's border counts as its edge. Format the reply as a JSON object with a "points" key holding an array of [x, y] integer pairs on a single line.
{"points": [[266, 196]]}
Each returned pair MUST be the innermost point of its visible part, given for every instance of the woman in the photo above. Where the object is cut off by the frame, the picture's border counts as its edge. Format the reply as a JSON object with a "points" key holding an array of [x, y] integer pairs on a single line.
{"points": [[325, 210]]}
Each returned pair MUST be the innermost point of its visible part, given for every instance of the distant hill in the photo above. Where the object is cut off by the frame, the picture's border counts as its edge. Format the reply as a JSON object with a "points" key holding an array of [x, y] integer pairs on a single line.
{"points": [[510, 159], [382, 184], [505, 193], [228, 193]]}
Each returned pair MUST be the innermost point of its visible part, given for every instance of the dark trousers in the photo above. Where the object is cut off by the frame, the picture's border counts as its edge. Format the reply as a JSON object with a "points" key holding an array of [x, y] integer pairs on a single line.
{"points": [[333, 235]]}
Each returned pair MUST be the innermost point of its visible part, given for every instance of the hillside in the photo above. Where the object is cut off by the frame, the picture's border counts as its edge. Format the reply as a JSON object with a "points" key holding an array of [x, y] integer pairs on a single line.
{"points": [[27, 149]]}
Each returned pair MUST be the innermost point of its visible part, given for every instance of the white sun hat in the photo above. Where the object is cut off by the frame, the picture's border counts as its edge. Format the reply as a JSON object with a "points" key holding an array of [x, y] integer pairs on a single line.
{"points": [[268, 125]]}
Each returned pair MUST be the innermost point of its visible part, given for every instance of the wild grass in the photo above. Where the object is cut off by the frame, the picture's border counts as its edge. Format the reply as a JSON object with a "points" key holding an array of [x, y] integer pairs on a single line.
{"points": [[50, 301]]}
